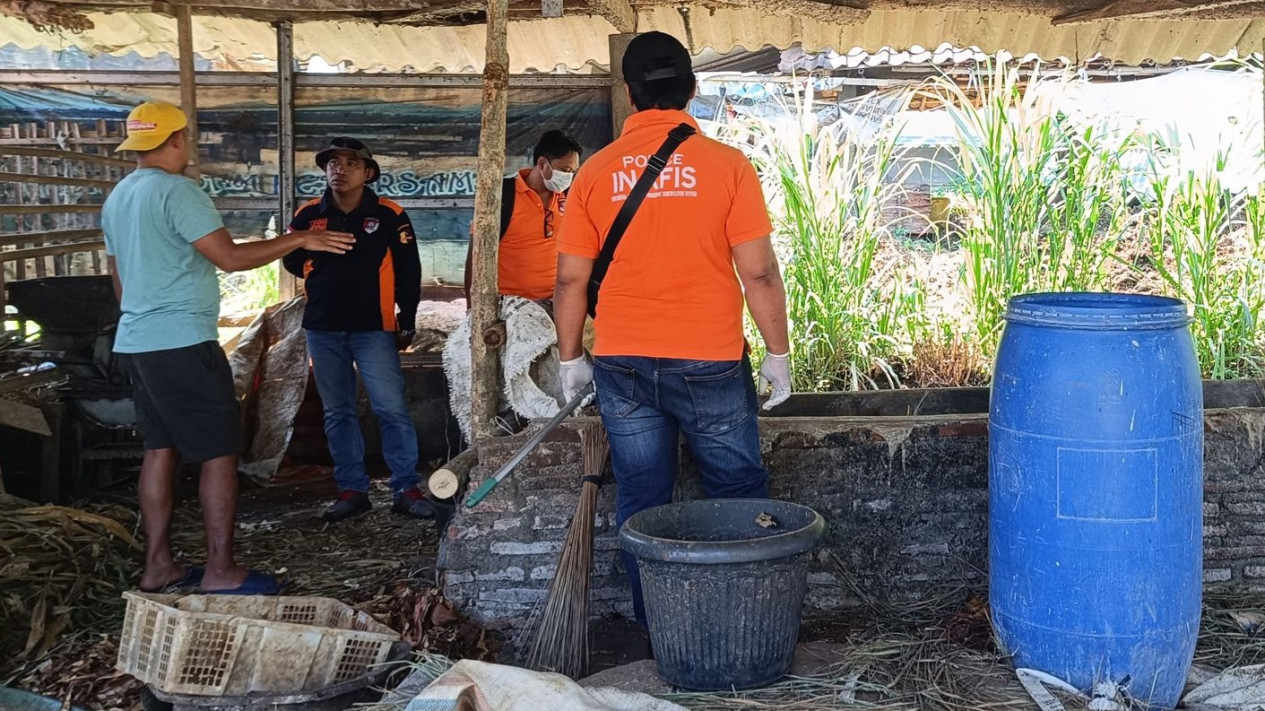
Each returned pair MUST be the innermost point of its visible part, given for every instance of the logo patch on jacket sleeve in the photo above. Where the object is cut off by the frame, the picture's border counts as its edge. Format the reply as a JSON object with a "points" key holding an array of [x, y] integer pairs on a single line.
{"points": [[406, 234], [370, 225]]}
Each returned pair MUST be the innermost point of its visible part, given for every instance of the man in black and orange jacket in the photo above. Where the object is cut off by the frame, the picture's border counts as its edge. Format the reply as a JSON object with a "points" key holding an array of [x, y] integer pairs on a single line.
{"points": [[352, 325]]}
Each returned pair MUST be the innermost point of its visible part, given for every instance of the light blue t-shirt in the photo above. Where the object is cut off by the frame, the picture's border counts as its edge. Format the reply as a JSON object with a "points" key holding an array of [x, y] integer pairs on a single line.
{"points": [[171, 298]]}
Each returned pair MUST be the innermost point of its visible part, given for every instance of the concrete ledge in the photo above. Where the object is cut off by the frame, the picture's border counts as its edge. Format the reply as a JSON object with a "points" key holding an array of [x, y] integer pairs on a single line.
{"points": [[906, 499]]}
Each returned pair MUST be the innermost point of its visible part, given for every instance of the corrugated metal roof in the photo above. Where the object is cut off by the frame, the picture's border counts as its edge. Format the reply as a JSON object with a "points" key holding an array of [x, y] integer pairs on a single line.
{"points": [[575, 41]]}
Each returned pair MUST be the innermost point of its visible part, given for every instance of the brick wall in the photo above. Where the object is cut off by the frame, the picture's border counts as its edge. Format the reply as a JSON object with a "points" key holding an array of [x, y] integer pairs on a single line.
{"points": [[1234, 498], [498, 558], [905, 499]]}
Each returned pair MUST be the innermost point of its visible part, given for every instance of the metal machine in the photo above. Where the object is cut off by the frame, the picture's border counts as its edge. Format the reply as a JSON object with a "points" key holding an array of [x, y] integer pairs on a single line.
{"points": [[94, 420]]}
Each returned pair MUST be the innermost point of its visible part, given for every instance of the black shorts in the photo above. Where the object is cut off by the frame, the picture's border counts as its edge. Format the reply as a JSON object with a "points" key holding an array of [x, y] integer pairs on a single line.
{"points": [[185, 400]]}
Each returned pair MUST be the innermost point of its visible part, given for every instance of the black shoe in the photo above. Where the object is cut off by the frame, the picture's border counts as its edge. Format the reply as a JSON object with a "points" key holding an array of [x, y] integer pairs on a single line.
{"points": [[411, 502], [444, 511], [350, 503]]}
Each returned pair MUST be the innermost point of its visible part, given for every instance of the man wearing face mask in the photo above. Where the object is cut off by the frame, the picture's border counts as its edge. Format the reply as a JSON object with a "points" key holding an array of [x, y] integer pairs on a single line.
{"points": [[532, 203], [352, 325]]}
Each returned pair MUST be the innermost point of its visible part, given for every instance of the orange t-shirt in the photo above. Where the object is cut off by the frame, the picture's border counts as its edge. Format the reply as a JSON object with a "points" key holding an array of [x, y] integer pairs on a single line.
{"points": [[671, 290], [527, 261]]}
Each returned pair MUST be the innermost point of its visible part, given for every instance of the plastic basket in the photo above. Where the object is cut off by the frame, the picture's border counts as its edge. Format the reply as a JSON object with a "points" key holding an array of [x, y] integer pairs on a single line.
{"points": [[224, 645]]}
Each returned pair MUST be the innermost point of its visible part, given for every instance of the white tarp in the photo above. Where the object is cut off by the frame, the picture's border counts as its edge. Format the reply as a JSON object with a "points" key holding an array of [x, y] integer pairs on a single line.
{"points": [[480, 686], [1201, 114], [529, 364]]}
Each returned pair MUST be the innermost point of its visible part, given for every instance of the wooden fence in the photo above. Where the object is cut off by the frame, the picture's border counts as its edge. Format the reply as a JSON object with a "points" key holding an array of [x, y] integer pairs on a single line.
{"points": [[54, 177]]}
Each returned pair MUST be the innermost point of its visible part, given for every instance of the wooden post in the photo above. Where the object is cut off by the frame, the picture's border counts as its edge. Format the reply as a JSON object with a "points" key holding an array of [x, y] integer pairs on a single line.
{"points": [[51, 485], [188, 83], [484, 308], [288, 288], [452, 477], [620, 108]]}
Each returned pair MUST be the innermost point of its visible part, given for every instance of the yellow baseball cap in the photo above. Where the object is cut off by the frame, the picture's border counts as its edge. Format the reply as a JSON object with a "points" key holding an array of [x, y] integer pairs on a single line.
{"points": [[150, 124]]}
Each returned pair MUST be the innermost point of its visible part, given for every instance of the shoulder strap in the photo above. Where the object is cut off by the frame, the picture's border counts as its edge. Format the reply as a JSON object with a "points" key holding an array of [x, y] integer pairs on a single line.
{"points": [[508, 189], [654, 166]]}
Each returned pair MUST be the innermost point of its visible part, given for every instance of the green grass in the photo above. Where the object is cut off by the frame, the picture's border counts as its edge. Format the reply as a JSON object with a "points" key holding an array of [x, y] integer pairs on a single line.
{"points": [[249, 292]]}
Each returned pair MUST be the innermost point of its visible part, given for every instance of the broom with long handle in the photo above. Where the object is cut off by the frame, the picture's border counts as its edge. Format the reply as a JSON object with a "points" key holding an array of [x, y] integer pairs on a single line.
{"points": [[561, 642]]}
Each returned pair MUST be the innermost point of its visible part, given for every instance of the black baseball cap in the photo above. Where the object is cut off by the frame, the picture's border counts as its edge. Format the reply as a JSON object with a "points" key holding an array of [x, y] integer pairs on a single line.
{"points": [[655, 56], [356, 146]]}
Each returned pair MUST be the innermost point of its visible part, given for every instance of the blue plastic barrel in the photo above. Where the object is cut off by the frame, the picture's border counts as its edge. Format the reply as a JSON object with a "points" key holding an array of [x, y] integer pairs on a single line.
{"points": [[1096, 491]]}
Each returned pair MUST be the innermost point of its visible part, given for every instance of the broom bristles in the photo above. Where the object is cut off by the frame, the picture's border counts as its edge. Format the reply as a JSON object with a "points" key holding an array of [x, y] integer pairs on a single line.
{"points": [[561, 642]]}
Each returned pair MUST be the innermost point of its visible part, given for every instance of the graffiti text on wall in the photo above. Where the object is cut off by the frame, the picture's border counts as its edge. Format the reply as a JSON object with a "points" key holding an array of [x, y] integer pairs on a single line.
{"points": [[405, 184], [238, 186]]}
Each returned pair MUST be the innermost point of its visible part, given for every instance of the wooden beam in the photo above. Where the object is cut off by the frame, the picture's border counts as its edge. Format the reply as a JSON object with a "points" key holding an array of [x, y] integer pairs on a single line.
{"points": [[236, 320], [65, 155], [55, 180], [46, 209], [1145, 10], [188, 83], [310, 6], [288, 284], [621, 108], [37, 252], [452, 477], [619, 13], [58, 77], [55, 236], [485, 358], [807, 9], [93, 141], [23, 417]]}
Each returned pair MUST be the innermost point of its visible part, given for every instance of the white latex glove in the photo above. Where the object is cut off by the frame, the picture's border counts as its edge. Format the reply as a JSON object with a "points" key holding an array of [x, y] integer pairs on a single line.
{"points": [[775, 372], [576, 376]]}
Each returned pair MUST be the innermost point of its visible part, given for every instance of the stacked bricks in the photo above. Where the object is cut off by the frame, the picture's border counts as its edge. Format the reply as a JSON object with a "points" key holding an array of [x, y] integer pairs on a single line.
{"points": [[905, 499], [499, 557]]}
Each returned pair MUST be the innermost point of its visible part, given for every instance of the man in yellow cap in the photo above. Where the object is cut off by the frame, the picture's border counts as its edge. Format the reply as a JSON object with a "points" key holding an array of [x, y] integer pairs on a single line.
{"points": [[164, 240]]}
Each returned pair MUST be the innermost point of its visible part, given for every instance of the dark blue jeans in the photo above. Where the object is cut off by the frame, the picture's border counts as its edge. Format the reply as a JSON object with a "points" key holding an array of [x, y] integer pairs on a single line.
{"points": [[647, 403], [336, 356]]}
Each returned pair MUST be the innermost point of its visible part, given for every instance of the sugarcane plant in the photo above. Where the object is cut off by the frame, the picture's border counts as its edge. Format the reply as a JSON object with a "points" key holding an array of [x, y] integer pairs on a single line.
{"points": [[835, 190]]}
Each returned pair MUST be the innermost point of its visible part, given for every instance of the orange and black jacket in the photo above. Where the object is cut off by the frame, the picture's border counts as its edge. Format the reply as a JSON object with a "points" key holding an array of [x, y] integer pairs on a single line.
{"points": [[359, 290]]}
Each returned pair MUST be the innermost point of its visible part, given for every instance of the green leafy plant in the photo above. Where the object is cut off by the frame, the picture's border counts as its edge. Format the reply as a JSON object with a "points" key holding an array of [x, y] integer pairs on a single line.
{"points": [[1047, 201], [836, 198], [1207, 244]]}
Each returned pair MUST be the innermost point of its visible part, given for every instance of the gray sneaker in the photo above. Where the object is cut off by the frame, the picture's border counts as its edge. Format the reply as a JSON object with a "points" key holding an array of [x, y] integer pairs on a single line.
{"points": [[350, 503], [411, 502]]}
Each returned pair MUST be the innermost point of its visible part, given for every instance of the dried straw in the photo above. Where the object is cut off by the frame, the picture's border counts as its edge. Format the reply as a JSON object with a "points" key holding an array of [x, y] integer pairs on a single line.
{"points": [[61, 571], [561, 641]]}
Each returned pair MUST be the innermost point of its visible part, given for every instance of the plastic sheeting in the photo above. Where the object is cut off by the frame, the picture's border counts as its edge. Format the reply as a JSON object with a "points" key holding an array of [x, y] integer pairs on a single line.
{"points": [[1200, 114], [529, 364], [578, 42], [480, 686], [270, 372]]}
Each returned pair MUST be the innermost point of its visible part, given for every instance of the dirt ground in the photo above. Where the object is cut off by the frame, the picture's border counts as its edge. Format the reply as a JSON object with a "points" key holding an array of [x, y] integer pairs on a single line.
{"points": [[386, 564], [380, 562]]}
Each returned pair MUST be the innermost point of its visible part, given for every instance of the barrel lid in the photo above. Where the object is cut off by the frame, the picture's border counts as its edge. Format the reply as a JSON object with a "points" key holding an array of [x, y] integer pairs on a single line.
{"points": [[1097, 311]]}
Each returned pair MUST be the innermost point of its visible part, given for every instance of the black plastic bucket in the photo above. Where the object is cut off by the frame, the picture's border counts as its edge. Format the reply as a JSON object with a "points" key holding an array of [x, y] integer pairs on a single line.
{"points": [[723, 592]]}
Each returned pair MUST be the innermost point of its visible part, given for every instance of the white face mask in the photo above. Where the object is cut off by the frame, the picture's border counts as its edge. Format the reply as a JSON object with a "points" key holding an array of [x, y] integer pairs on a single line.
{"points": [[559, 181]]}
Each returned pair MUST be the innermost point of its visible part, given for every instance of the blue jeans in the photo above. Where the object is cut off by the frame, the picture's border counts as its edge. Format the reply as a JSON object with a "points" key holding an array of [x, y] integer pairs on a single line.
{"points": [[647, 403], [374, 354]]}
